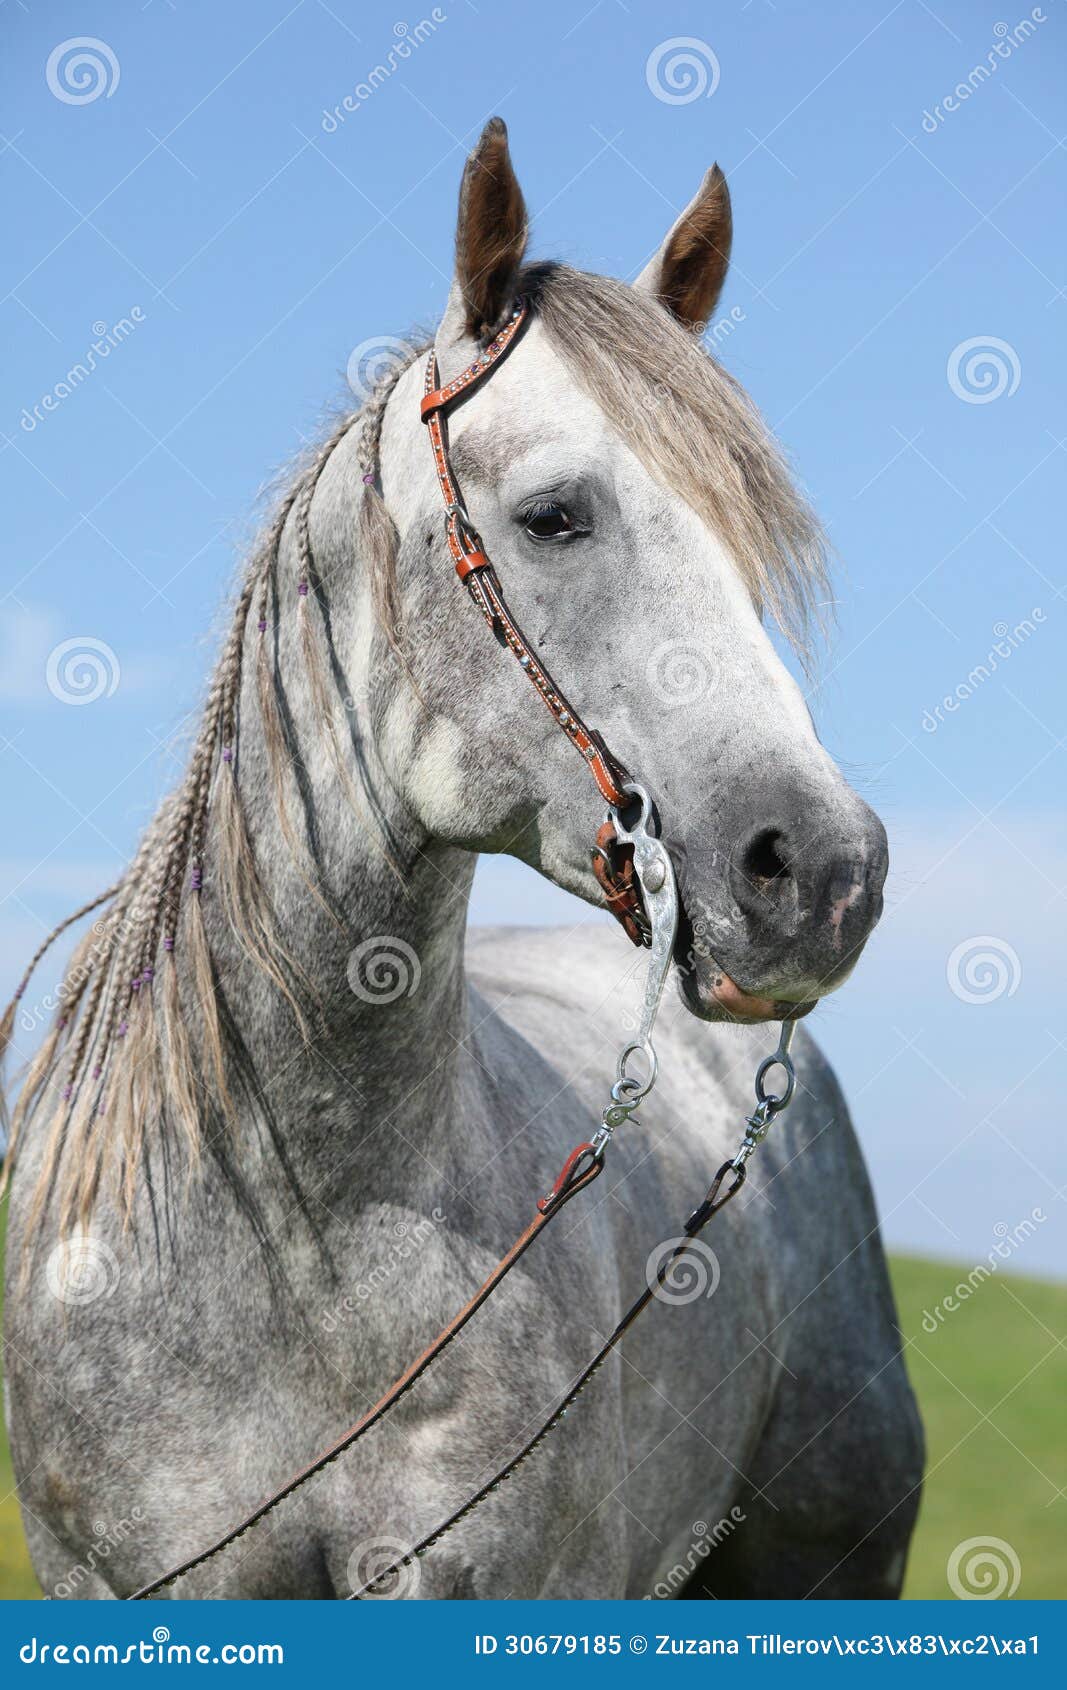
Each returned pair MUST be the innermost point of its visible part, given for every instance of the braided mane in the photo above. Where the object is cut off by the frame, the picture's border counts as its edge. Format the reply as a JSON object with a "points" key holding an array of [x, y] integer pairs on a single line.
{"points": [[118, 1055]]}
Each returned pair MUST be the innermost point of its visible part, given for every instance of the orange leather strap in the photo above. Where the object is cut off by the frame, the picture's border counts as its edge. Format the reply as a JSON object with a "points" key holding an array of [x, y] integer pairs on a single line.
{"points": [[477, 573]]}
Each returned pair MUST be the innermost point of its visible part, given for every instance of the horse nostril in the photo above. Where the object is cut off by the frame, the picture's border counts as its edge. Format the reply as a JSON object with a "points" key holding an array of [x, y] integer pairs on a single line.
{"points": [[763, 862], [764, 882]]}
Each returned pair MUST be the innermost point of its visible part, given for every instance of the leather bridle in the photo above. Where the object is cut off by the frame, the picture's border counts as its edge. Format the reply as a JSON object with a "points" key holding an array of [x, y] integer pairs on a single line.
{"points": [[635, 872], [613, 867]]}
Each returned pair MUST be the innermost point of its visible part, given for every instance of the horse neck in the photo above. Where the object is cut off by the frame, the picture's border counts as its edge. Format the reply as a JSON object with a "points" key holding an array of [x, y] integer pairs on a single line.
{"points": [[385, 958]]}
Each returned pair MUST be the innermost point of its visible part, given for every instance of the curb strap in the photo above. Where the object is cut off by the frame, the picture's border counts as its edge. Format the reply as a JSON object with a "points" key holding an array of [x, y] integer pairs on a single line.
{"points": [[581, 1168], [712, 1202], [480, 578]]}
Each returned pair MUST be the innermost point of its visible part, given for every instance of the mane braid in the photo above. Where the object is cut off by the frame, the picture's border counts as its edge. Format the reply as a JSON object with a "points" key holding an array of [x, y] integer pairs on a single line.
{"points": [[117, 1061]]}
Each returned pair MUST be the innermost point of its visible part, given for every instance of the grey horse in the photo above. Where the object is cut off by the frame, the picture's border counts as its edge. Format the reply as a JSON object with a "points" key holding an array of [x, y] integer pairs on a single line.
{"points": [[295, 1111]]}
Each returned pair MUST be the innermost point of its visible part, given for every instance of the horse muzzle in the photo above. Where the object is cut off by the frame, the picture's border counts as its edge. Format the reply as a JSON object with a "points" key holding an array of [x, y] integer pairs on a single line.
{"points": [[785, 915]]}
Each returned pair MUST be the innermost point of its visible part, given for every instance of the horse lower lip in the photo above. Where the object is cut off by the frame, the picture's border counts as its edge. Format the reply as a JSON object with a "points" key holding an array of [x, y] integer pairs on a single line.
{"points": [[740, 1004], [724, 991]]}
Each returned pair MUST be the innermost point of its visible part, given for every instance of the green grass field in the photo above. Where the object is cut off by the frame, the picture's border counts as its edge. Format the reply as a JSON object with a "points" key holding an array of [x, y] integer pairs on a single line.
{"points": [[991, 1381]]}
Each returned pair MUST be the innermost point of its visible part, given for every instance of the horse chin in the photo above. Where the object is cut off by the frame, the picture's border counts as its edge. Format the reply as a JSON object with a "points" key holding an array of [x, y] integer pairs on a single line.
{"points": [[711, 994]]}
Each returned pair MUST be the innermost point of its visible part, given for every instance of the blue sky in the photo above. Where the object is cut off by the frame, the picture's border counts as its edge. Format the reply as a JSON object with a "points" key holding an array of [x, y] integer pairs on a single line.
{"points": [[885, 239]]}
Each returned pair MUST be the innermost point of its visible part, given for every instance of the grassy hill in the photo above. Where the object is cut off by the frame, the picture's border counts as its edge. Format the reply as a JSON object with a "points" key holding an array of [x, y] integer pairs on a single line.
{"points": [[991, 1380], [992, 1383]]}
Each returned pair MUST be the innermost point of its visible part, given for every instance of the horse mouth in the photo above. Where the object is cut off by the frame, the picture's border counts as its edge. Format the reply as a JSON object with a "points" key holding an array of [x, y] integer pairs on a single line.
{"points": [[712, 994]]}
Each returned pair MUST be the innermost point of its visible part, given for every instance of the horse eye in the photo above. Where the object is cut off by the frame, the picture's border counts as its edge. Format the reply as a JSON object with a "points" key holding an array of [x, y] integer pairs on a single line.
{"points": [[548, 522]]}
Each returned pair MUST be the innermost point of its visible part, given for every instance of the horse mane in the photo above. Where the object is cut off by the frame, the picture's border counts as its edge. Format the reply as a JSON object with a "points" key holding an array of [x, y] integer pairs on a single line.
{"points": [[693, 428], [118, 1055]]}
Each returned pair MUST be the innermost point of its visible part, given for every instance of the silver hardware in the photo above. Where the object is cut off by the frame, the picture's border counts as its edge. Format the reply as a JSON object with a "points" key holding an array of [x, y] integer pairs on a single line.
{"points": [[463, 521], [653, 877], [656, 874], [769, 1105], [661, 907], [779, 1059]]}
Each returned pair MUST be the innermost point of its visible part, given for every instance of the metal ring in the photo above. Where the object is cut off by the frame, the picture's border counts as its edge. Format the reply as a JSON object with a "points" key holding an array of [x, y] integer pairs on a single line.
{"points": [[625, 1090], [463, 521], [638, 1088], [641, 793], [775, 1099]]}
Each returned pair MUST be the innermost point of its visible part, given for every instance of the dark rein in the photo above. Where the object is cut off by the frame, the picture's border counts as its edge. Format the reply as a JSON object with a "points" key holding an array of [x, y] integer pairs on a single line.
{"points": [[635, 872]]}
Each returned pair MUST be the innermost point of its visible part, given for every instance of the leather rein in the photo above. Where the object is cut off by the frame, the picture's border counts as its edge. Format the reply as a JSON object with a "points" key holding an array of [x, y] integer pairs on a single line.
{"points": [[636, 875]]}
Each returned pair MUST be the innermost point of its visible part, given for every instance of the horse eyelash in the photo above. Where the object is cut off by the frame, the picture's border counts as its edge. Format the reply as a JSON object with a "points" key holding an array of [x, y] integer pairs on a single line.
{"points": [[544, 505]]}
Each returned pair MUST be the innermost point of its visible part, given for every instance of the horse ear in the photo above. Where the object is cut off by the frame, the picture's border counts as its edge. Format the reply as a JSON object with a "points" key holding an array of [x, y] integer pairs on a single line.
{"points": [[688, 271], [490, 235]]}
